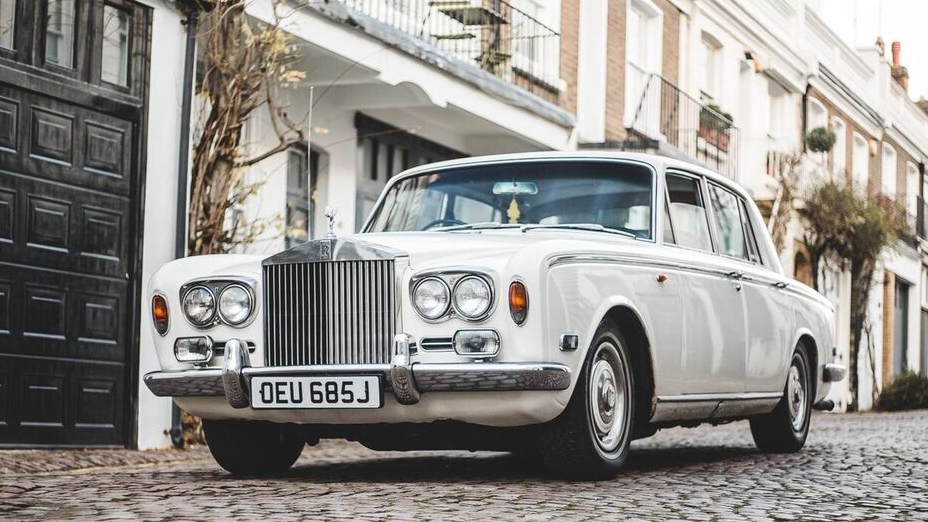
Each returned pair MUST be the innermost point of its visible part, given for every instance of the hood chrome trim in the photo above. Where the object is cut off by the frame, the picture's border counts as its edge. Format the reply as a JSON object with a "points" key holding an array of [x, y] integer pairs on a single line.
{"points": [[322, 250]]}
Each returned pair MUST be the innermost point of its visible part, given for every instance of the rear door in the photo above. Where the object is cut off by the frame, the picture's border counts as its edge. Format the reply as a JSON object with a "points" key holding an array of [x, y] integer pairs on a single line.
{"points": [[713, 304]]}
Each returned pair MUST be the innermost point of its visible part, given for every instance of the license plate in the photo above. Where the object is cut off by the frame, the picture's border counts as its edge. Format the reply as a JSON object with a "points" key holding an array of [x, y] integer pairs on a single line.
{"points": [[316, 392]]}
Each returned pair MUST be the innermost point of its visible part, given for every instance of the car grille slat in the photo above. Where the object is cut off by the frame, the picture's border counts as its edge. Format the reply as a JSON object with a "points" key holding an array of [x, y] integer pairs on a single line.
{"points": [[335, 312]]}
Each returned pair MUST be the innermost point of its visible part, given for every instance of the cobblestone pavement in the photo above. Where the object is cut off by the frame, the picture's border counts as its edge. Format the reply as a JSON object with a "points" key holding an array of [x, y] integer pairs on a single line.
{"points": [[854, 467]]}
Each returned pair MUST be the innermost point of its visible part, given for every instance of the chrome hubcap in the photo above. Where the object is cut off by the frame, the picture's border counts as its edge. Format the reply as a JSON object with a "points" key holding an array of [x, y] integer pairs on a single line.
{"points": [[796, 394], [608, 397]]}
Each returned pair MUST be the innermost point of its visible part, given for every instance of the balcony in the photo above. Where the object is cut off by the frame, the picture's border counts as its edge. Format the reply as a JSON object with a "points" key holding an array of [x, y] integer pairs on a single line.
{"points": [[492, 35], [665, 114]]}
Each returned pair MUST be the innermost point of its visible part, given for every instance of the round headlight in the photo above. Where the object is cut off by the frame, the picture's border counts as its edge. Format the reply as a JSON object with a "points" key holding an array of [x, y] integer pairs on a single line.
{"points": [[235, 305], [472, 297], [431, 298], [199, 305]]}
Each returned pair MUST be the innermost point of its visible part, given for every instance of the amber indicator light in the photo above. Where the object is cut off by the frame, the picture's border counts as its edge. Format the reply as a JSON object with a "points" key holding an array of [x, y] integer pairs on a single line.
{"points": [[518, 302], [159, 313]]}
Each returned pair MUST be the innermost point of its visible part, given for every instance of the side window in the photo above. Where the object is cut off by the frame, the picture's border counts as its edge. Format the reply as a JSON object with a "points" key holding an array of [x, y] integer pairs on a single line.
{"points": [[688, 213], [753, 248], [668, 226], [729, 227]]}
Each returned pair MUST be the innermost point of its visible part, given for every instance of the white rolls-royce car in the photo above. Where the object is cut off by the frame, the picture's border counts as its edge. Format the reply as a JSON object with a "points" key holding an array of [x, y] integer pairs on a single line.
{"points": [[557, 305]]}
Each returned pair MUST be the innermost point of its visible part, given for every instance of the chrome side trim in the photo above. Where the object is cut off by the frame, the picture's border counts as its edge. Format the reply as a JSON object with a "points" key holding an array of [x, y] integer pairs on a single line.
{"points": [[833, 372], [693, 397], [427, 377], [774, 280], [707, 406]]}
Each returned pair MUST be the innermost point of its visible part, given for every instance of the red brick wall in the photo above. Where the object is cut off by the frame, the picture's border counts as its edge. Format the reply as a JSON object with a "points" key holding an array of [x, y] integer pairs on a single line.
{"points": [[570, 41], [615, 60]]}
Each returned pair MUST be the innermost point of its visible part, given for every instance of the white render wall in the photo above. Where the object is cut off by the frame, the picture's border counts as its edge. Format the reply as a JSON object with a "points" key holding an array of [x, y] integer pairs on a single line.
{"points": [[787, 41], [165, 93]]}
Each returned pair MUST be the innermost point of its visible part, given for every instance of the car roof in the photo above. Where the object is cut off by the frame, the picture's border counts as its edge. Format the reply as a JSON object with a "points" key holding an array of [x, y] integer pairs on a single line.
{"points": [[660, 163]]}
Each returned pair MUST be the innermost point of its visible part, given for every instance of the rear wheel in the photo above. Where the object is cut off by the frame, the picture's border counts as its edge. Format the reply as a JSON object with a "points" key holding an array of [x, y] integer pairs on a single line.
{"points": [[590, 439], [784, 430], [252, 447]]}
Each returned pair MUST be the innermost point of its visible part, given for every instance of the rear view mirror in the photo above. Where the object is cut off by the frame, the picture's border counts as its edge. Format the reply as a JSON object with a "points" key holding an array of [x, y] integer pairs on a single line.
{"points": [[515, 188]]}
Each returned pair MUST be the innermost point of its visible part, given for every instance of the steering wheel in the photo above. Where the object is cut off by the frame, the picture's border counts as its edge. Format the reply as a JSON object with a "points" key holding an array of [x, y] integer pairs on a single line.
{"points": [[446, 222]]}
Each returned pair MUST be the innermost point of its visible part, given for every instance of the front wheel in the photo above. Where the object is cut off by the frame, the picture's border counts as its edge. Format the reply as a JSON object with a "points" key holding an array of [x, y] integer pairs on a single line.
{"points": [[590, 439], [784, 430], [253, 447]]}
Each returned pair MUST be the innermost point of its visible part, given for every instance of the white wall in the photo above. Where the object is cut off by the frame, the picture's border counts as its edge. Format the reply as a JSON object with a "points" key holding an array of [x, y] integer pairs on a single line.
{"points": [[165, 91], [591, 71]]}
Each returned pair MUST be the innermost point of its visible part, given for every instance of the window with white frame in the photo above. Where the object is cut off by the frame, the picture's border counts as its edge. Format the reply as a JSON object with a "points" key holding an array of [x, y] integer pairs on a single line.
{"points": [[911, 188], [7, 23], [644, 34], [59, 32], [777, 112], [860, 161], [839, 151], [711, 60], [816, 116], [888, 171]]}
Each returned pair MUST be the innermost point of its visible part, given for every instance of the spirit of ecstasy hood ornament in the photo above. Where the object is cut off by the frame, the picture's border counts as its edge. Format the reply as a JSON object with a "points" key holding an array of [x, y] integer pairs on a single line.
{"points": [[330, 216]]}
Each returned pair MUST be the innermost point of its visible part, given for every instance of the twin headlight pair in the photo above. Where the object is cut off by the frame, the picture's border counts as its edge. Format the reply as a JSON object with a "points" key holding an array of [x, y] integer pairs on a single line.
{"points": [[469, 295], [233, 306]]}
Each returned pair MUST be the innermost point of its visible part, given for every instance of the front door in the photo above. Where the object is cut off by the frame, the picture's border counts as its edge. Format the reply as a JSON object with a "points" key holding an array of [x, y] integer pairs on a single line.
{"points": [[901, 327], [73, 84]]}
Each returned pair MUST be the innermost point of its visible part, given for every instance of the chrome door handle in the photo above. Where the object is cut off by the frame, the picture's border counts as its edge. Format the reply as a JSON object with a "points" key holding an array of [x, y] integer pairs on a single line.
{"points": [[780, 285], [734, 274]]}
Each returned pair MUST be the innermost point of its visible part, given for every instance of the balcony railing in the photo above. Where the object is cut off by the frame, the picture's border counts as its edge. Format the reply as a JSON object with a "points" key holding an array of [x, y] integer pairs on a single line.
{"points": [[665, 113], [493, 35]]}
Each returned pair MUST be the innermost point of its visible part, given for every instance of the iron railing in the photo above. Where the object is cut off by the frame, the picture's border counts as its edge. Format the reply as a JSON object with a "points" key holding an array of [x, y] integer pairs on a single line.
{"points": [[665, 113], [493, 35]]}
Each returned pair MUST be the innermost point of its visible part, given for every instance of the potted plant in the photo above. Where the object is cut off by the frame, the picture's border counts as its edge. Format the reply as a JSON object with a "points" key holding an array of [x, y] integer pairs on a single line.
{"points": [[820, 139], [714, 124]]}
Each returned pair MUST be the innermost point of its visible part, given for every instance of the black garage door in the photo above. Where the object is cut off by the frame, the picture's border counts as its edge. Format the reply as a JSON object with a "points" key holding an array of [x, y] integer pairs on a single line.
{"points": [[73, 82]]}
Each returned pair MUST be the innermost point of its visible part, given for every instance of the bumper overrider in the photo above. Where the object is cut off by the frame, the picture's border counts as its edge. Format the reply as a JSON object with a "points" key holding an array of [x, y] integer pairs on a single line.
{"points": [[406, 380]]}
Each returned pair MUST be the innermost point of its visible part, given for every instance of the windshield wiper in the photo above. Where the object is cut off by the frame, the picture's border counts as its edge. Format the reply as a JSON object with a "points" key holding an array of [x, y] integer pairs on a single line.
{"points": [[594, 227], [476, 226]]}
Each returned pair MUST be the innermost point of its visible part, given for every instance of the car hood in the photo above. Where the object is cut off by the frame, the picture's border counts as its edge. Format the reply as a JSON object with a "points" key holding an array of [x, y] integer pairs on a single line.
{"points": [[490, 247]]}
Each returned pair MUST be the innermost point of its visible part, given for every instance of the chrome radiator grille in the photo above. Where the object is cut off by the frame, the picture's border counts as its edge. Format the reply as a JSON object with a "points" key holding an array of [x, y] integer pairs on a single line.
{"points": [[334, 312]]}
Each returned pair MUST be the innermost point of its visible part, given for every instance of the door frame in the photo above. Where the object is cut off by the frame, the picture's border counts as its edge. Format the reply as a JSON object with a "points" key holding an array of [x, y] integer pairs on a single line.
{"points": [[24, 68]]}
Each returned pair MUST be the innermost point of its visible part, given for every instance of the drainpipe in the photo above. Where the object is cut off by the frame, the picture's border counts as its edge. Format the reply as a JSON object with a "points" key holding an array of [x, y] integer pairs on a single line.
{"points": [[180, 224], [805, 115]]}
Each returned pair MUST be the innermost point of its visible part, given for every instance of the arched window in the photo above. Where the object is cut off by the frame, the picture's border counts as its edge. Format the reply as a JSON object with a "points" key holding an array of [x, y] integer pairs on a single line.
{"points": [[860, 161], [888, 171], [816, 116]]}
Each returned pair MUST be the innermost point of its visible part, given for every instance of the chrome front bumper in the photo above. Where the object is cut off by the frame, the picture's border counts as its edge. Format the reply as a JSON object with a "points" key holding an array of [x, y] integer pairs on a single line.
{"points": [[404, 379]]}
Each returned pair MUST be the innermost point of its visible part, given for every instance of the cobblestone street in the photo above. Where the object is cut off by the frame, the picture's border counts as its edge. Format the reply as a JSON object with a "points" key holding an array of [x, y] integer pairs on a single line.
{"points": [[855, 467]]}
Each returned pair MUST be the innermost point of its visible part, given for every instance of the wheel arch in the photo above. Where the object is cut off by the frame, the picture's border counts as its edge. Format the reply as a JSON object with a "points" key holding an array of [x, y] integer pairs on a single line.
{"points": [[634, 328], [805, 337]]}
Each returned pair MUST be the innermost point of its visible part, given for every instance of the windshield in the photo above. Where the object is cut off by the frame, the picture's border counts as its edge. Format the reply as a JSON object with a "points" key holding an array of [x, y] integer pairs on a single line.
{"points": [[609, 194]]}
